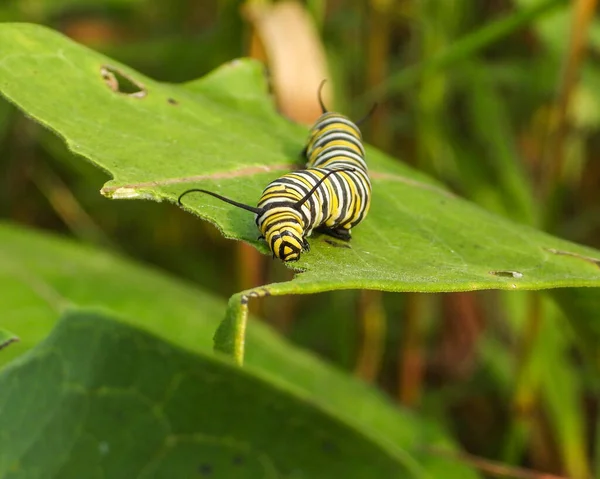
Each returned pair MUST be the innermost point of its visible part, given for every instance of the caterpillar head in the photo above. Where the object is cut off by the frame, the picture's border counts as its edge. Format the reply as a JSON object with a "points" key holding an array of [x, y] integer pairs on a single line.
{"points": [[283, 229]]}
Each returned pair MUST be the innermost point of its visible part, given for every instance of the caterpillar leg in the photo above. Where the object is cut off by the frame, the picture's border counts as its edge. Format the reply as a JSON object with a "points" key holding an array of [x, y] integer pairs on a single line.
{"points": [[335, 244], [305, 245], [339, 232]]}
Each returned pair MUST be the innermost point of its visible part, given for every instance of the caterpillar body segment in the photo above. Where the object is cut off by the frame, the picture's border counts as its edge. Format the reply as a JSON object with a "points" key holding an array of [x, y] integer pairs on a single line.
{"points": [[332, 195]]}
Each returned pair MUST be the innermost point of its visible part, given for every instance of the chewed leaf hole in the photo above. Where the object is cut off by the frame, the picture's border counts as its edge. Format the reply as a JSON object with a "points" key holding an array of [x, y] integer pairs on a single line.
{"points": [[120, 82], [507, 274]]}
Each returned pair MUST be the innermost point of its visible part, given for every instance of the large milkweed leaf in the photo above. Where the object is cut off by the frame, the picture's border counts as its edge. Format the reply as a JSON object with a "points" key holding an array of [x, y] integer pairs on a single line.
{"points": [[223, 133], [41, 276], [100, 398]]}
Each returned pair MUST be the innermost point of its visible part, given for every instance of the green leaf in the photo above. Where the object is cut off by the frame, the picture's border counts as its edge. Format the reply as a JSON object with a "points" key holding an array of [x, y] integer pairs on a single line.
{"points": [[42, 276], [102, 399], [223, 133], [7, 338]]}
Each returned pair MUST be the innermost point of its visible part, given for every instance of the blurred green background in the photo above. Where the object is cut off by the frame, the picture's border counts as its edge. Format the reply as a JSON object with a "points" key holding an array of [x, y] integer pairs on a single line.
{"points": [[496, 98]]}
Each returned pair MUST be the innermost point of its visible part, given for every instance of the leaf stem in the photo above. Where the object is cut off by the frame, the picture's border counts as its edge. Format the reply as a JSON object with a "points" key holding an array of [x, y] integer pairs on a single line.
{"points": [[492, 468], [411, 355], [373, 321]]}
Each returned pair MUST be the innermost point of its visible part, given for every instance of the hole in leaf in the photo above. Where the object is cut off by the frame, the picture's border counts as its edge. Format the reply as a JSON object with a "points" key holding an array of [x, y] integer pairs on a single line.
{"points": [[507, 274], [120, 82]]}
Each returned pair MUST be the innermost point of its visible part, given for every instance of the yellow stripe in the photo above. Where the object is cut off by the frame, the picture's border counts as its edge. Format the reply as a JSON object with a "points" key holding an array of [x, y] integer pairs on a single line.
{"points": [[339, 127]]}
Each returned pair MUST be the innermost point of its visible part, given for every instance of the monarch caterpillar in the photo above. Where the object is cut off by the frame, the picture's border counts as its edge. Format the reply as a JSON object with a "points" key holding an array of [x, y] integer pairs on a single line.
{"points": [[332, 195]]}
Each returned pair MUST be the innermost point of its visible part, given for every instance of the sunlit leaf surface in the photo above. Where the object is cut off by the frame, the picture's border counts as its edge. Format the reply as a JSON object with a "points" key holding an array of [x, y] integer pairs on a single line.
{"points": [[223, 133]]}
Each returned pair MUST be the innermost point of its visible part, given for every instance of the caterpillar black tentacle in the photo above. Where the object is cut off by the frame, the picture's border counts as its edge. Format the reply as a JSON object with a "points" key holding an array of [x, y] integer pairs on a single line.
{"points": [[320, 96], [252, 209], [332, 194], [367, 116]]}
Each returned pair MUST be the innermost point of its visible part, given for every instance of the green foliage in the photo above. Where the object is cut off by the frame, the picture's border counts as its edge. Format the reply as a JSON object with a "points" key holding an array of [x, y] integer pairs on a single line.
{"points": [[223, 134], [105, 387], [470, 100], [468, 45], [37, 291]]}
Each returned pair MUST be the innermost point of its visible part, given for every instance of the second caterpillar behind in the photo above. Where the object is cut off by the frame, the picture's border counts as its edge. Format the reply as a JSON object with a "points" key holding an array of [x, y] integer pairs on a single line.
{"points": [[332, 195]]}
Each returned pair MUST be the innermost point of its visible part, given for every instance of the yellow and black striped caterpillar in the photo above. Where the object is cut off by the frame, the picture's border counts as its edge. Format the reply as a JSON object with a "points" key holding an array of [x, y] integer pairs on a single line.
{"points": [[332, 195]]}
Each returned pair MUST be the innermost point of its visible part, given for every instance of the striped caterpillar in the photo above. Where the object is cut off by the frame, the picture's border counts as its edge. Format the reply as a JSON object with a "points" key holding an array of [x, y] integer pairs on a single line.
{"points": [[332, 195]]}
